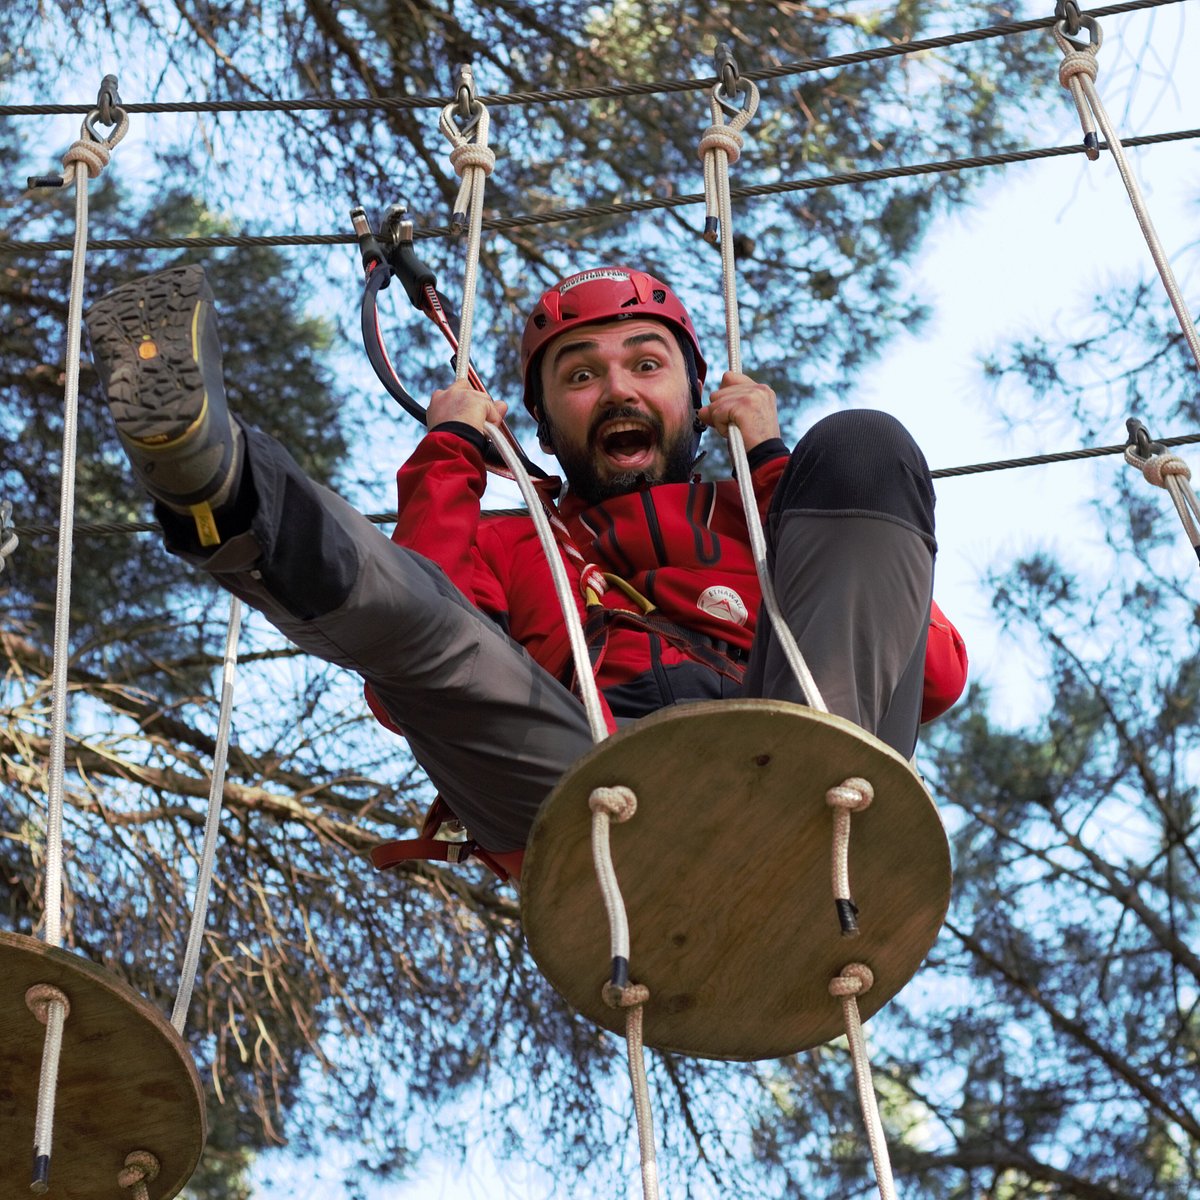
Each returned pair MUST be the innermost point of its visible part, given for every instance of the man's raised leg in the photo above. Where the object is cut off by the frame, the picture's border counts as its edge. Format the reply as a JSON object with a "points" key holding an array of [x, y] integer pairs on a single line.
{"points": [[491, 727], [852, 548]]}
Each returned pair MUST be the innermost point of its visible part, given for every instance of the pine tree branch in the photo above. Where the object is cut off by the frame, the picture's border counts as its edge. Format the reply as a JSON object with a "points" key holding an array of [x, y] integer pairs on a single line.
{"points": [[1078, 1031]]}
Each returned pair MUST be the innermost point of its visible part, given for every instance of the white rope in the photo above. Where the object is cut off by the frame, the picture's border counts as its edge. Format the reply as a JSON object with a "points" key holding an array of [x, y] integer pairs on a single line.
{"points": [[1170, 472], [635, 1049], [212, 823], [853, 795], [473, 162], [610, 804], [51, 1007], [84, 160], [588, 691], [720, 145], [855, 979], [1077, 73], [8, 537]]}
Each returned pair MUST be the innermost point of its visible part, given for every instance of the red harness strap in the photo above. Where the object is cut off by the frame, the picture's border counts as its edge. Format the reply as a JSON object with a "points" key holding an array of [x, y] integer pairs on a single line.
{"points": [[429, 848]]}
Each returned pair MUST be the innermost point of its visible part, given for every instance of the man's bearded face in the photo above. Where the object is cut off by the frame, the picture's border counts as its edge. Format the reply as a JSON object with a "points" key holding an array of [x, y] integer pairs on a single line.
{"points": [[617, 407]]}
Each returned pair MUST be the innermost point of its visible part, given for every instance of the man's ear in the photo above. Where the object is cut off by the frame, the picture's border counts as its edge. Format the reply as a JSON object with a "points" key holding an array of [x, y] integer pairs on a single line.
{"points": [[544, 437]]}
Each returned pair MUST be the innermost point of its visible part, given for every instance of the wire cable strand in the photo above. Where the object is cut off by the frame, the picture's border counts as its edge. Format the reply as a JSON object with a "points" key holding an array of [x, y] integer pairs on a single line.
{"points": [[561, 215], [555, 95], [116, 528]]}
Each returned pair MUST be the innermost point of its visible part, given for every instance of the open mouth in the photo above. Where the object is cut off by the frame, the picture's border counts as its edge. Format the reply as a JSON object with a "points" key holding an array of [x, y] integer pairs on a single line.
{"points": [[627, 444]]}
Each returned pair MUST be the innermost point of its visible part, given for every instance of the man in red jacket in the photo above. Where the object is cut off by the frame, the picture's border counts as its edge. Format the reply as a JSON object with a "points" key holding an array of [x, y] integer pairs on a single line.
{"points": [[454, 625]]}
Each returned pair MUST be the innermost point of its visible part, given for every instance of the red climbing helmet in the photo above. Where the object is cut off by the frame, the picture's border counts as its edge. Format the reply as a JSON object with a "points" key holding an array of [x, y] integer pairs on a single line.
{"points": [[602, 294]]}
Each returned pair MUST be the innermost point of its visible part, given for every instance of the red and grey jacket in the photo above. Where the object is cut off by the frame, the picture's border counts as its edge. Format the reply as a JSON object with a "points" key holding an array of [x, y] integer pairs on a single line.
{"points": [[679, 618]]}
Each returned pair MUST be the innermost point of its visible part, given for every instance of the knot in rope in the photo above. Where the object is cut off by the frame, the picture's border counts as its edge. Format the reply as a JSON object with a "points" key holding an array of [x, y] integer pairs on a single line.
{"points": [[467, 155], [1078, 62], [141, 1167], [632, 995], [591, 577], [40, 996], [93, 155], [853, 795], [721, 137], [855, 979], [92, 150], [8, 538], [1159, 467], [619, 803]]}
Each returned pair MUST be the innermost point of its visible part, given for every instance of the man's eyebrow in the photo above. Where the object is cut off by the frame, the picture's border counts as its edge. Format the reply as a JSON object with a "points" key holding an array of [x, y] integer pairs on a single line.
{"points": [[637, 339], [570, 348]]}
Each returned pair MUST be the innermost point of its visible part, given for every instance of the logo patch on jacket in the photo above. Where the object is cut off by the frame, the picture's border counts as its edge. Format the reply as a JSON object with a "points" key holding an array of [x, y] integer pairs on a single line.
{"points": [[723, 603]]}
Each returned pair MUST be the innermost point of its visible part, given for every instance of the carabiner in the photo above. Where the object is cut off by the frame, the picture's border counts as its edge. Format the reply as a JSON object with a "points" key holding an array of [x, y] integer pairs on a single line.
{"points": [[729, 80], [467, 98]]}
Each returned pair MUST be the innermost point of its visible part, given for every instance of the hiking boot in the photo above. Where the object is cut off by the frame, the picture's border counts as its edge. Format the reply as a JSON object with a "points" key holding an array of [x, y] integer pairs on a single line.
{"points": [[158, 353]]}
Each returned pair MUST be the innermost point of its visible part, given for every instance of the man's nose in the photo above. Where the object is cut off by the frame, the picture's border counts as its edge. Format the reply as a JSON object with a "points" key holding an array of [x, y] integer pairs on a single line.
{"points": [[621, 387]]}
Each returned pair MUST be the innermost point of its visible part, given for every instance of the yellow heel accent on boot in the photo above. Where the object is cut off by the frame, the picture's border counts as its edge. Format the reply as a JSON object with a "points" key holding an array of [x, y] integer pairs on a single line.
{"points": [[206, 524]]}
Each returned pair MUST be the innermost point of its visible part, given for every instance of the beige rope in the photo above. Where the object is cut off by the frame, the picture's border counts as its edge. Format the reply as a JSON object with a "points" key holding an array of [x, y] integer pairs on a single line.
{"points": [[854, 980], [1170, 472], [51, 1007], [141, 1167], [473, 162], [609, 804], [854, 795], [720, 145], [84, 160], [1077, 72]]}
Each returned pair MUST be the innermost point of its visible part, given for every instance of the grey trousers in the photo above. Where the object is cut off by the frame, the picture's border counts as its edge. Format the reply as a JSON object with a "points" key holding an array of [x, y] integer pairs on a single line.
{"points": [[851, 532]]}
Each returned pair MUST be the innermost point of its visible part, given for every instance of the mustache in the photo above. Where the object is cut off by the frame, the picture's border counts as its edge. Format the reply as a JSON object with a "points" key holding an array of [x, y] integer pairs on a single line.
{"points": [[626, 413]]}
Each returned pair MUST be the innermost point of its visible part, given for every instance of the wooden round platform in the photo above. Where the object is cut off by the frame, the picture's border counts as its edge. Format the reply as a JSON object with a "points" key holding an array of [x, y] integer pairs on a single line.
{"points": [[725, 870], [126, 1081]]}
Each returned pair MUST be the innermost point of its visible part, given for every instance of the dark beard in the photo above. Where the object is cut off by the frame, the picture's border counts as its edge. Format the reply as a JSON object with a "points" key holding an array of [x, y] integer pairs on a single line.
{"points": [[585, 481]]}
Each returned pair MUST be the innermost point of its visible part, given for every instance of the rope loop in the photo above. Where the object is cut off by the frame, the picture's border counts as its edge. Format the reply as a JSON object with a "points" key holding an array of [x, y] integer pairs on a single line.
{"points": [[855, 979], [618, 803], [40, 996], [853, 795]]}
